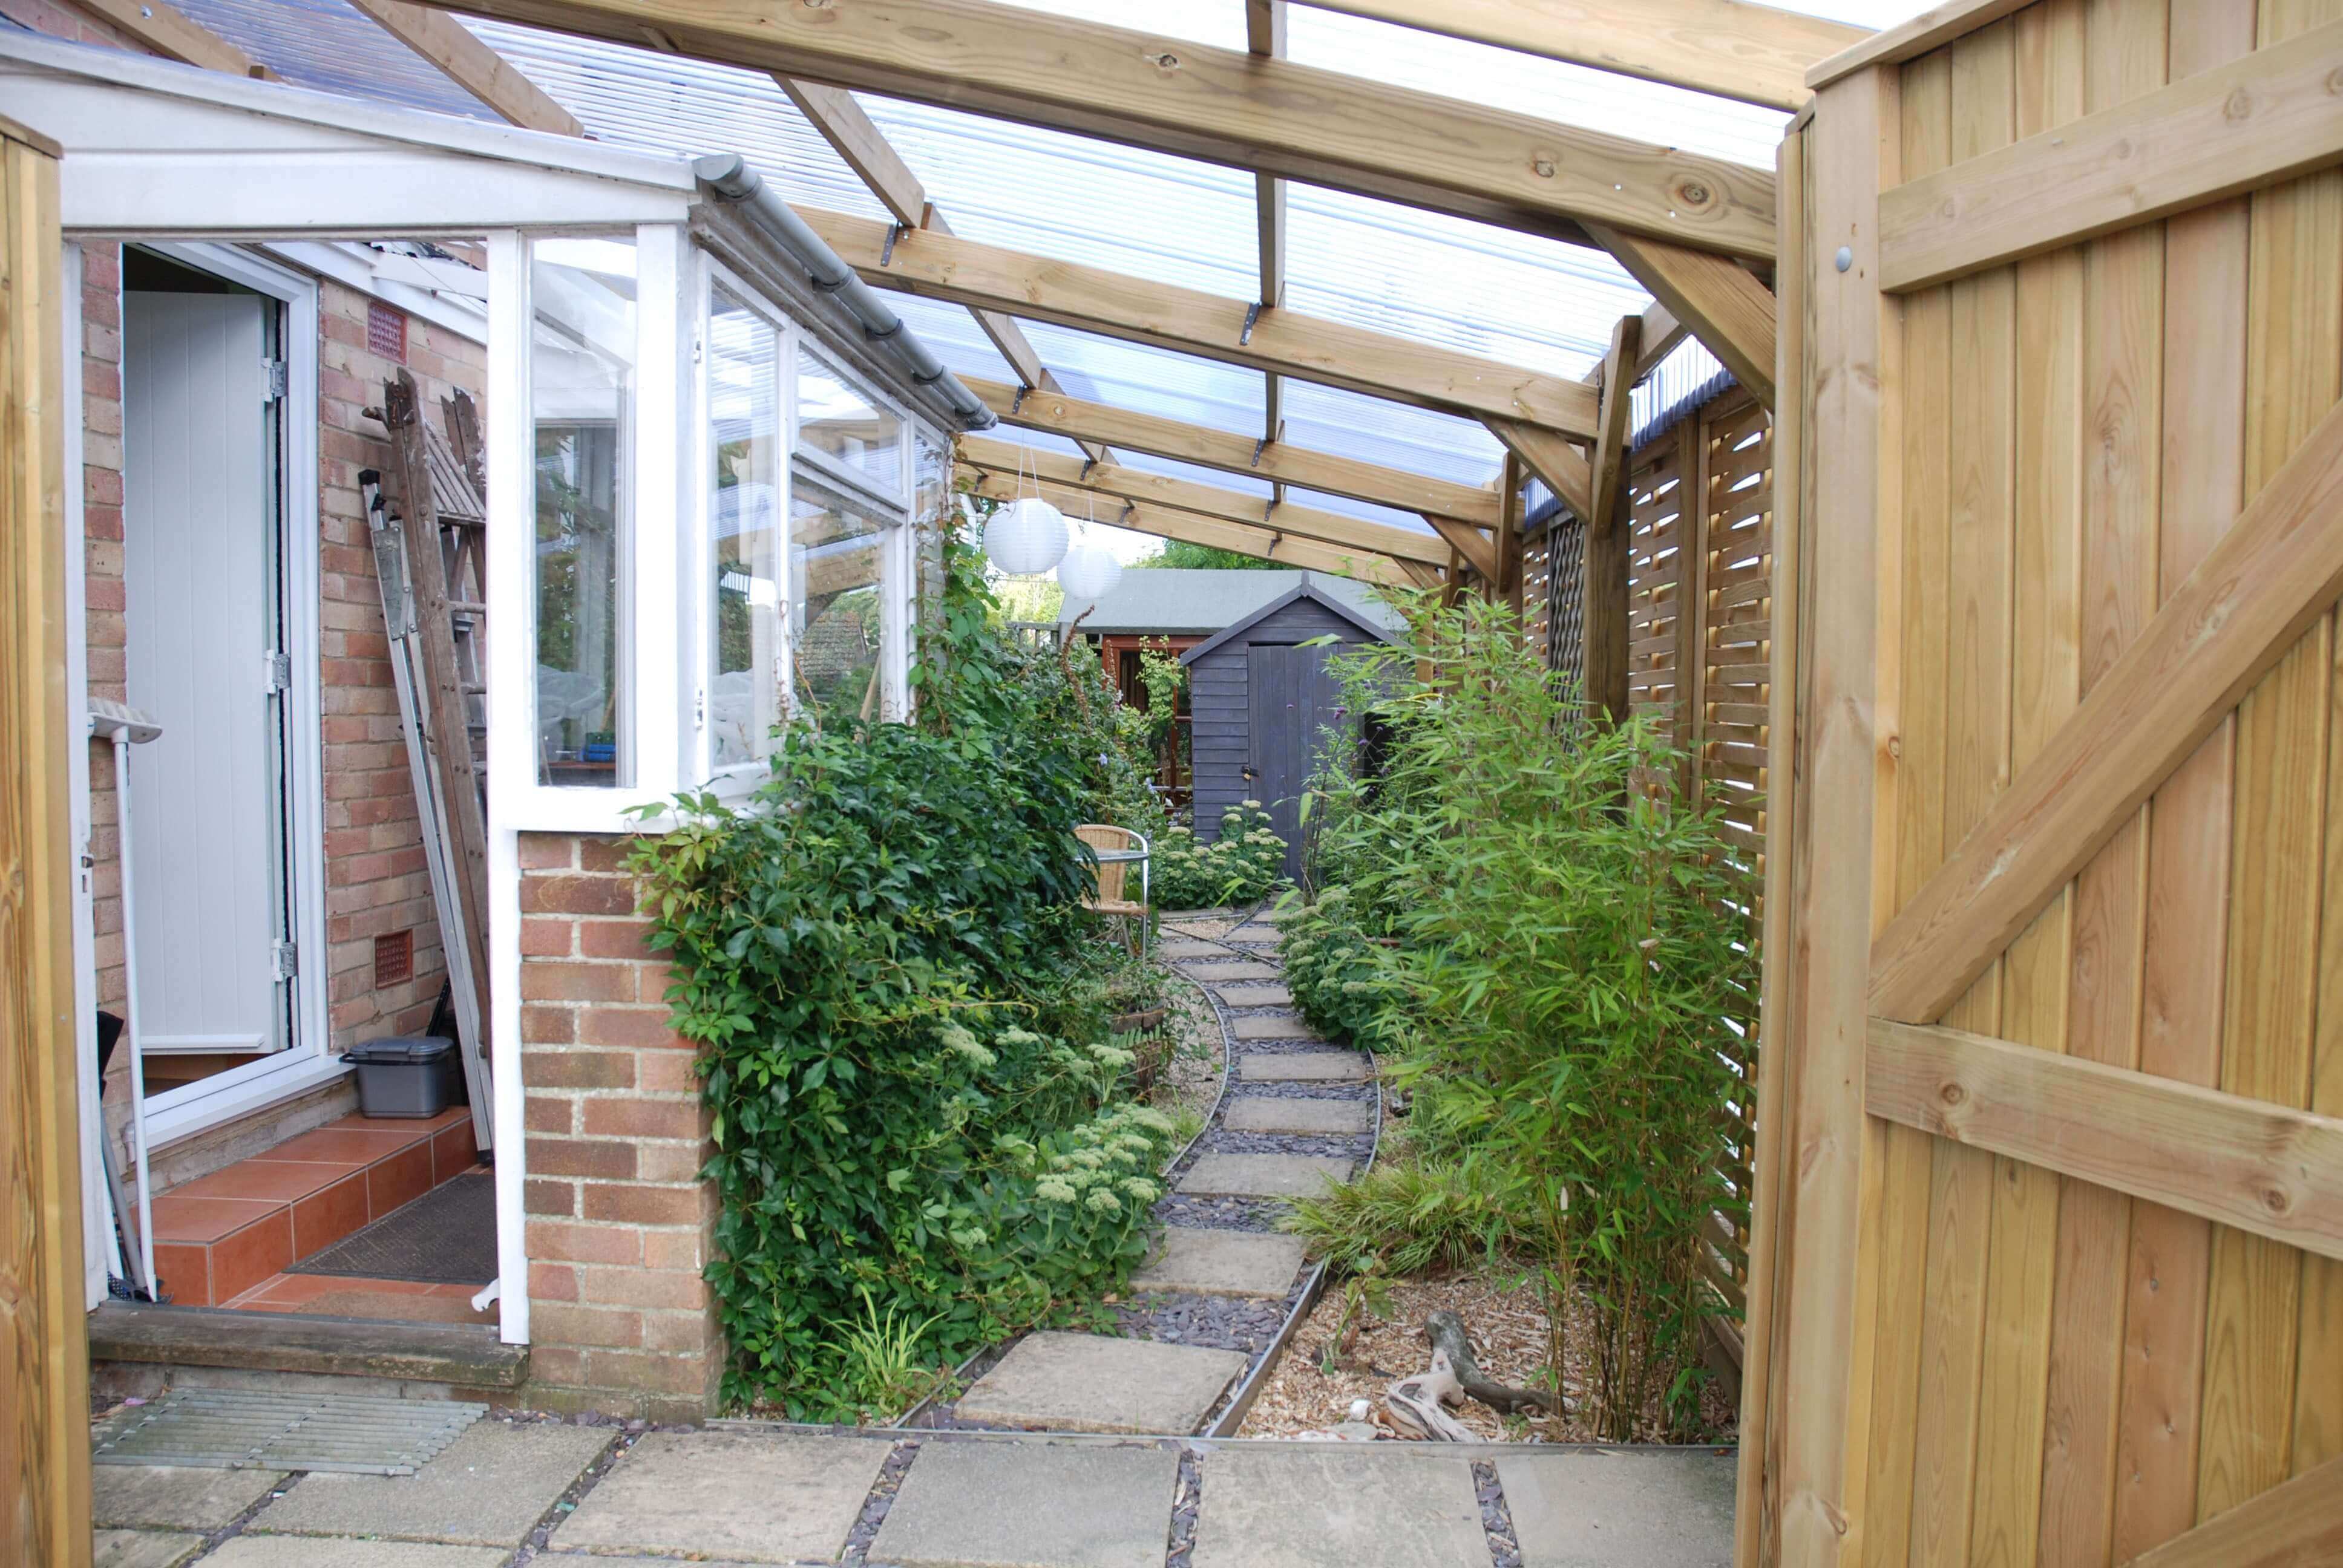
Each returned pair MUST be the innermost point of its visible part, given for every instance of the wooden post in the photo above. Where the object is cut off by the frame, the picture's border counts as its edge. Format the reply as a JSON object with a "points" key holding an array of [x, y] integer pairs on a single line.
{"points": [[1692, 594], [1509, 536], [44, 1347], [1817, 1375], [1603, 615]]}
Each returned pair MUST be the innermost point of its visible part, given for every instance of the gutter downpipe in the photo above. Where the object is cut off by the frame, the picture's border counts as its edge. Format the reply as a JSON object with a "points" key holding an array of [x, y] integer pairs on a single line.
{"points": [[728, 177]]}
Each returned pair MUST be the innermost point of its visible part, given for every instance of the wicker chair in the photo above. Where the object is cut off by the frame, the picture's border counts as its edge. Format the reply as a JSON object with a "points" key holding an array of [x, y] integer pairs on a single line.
{"points": [[1114, 877]]}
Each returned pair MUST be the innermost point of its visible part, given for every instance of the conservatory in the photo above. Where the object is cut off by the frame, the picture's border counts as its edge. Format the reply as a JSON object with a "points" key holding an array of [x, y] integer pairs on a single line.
{"points": [[706, 492]]}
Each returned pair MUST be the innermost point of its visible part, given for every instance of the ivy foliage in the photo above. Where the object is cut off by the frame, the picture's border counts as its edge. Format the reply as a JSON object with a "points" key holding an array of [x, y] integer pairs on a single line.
{"points": [[923, 1141]]}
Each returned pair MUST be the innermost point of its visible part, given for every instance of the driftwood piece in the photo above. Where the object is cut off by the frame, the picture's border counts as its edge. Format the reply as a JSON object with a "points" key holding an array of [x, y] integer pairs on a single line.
{"points": [[1446, 1331], [1418, 1404]]}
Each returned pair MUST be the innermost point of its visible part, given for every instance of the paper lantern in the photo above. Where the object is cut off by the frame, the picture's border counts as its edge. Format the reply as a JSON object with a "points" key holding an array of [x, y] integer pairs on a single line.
{"points": [[1088, 573], [1026, 537]]}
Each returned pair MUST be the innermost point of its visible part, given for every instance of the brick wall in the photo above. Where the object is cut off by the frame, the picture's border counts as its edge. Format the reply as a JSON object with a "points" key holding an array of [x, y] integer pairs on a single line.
{"points": [[619, 1225]]}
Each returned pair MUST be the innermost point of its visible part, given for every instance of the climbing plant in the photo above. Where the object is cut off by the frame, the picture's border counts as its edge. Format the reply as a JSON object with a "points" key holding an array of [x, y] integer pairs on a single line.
{"points": [[921, 1139]]}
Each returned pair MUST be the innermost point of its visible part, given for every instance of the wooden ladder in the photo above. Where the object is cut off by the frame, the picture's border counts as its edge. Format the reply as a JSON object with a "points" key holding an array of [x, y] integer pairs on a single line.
{"points": [[430, 560]]}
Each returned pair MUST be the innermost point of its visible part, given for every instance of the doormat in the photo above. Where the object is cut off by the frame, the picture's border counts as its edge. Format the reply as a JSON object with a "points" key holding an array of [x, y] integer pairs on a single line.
{"points": [[252, 1429], [446, 1237]]}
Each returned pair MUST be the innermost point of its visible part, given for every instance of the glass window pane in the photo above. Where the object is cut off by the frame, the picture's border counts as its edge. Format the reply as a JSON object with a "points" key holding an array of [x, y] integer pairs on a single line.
{"points": [[835, 567], [840, 423], [746, 534], [581, 389]]}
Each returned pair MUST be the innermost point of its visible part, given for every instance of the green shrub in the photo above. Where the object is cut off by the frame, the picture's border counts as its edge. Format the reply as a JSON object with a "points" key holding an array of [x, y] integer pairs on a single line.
{"points": [[1345, 981], [1408, 1215], [1241, 867], [1575, 943], [883, 963]]}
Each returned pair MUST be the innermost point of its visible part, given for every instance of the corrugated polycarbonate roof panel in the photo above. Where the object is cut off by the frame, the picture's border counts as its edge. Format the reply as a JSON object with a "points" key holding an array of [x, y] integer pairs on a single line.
{"points": [[325, 45]]}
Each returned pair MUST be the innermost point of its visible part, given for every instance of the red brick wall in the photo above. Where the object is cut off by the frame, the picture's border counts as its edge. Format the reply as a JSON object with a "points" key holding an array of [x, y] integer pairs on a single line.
{"points": [[620, 1224]]}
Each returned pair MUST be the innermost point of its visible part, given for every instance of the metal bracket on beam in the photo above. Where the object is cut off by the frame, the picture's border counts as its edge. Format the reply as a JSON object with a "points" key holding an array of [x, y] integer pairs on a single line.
{"points": [[887, 250], [1258, 448], [1253, 314], [1017, 404], [1130, 509], [1088, 464]]}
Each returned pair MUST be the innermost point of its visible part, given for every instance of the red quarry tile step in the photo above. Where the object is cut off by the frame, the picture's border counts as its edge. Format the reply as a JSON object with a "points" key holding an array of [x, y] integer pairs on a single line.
{"points": [[220, 1236]]}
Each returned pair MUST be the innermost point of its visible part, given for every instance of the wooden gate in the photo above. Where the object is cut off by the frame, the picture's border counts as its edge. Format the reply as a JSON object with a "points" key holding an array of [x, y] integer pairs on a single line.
{"points": [[44, 1353], [2048, 1261]]}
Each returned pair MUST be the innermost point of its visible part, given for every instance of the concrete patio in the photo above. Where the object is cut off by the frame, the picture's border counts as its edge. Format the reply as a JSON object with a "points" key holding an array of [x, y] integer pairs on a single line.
{"points": [[522, 1490]]}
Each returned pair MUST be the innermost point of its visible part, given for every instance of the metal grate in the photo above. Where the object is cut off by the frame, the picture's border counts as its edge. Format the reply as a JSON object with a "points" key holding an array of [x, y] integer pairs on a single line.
{"points": [[245, 1429]]}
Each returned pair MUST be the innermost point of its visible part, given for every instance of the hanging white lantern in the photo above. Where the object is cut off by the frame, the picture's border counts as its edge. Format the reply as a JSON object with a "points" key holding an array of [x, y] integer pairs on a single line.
{"points": [[1026, 537], [1088, 573]]}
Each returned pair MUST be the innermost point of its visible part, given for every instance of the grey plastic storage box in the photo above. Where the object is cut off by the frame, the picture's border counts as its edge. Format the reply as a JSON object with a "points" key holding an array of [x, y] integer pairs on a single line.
{"points": [[407, 1075]]}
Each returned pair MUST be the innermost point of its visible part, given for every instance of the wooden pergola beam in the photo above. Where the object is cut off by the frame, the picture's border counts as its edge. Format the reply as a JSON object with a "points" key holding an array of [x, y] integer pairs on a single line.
{"points": [[1478, 550], [1604, 617], [1751, 52], [176, 36], [1222, 106], [857, 140], [1265, 39], [1119, 484], [471, 65], [1171, 523], [1723, 306], [1213, 326], [1079, 420], [1561, 465]]}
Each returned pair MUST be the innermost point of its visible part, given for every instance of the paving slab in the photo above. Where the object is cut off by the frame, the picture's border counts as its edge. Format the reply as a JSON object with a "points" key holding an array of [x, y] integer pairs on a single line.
{"points": [[173, 1497], [1303, 1066], [1276, 1028], [142, 1548], [1264, 1175], [1222, 1263], [1009, 1504], [1256, 995], [329, 1552], [488, 1488], [1290, 1113], [760, 1497], [1234, 969], [1188, 950], [1350, 1507], [1087, 1383], [1597, 1510]]}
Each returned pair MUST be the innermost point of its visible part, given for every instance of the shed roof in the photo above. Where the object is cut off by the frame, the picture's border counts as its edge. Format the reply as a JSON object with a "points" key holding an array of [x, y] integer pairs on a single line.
{"points": [[1317, 587], [1189, 601]]}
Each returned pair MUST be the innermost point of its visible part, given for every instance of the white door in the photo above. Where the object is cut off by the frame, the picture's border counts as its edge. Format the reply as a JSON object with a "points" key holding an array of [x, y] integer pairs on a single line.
{"points": [[200, 566]]}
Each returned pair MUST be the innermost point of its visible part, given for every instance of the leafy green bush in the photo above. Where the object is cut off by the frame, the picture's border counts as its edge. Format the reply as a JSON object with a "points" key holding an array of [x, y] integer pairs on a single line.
{"points": [[1578, 941], [1345, 981], [1240, 867], [882, 961], [1408, 1215]]}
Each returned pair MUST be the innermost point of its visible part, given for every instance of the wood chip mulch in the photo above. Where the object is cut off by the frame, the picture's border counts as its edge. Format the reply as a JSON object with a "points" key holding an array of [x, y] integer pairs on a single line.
{"points": [[1508, 1326]]}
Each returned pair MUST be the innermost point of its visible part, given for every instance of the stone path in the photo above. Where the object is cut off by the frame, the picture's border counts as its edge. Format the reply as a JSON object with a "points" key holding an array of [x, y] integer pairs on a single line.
{"points": [[1207, 1309], [543, 1492]]}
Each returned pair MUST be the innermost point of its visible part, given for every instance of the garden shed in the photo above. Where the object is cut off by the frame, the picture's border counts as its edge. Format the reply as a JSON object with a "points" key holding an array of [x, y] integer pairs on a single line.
{"points": [[1263, 697]]}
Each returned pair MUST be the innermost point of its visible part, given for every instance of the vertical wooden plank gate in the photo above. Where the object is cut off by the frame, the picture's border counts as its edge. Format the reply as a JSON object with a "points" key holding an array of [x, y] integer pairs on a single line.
{"points": [[43, 1352], [2047, 1256]]}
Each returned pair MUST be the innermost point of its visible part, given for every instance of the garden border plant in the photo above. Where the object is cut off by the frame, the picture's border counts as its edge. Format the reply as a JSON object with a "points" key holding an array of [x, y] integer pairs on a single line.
{"points": [[1555, 951], [923, 1140]]}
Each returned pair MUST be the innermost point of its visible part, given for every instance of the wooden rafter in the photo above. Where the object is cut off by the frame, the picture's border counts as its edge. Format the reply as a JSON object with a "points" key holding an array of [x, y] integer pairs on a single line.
{"points": [[1604, 617], [1561, 465], [1222, 105], [2266, 1168], [471, 65], [857, 139], [1119, 484], [1720, 301], [1751, 53], [1171, 523], [2274, 573], [1213, 326], [176, 36], [1478, 550], [1207, 448]]}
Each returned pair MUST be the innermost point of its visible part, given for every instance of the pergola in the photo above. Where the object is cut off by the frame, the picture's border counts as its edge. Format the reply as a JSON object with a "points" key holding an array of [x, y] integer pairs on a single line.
{"points": [[1696, 233]]}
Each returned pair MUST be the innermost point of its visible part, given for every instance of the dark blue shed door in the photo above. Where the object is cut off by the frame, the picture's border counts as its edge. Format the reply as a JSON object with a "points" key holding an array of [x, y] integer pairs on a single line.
{"points": [[1294, 700]]}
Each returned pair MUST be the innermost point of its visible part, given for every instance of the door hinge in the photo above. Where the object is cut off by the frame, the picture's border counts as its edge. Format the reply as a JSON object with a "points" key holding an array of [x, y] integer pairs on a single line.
{"points": [[272, 380], [278, 674], [288, 960]]}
